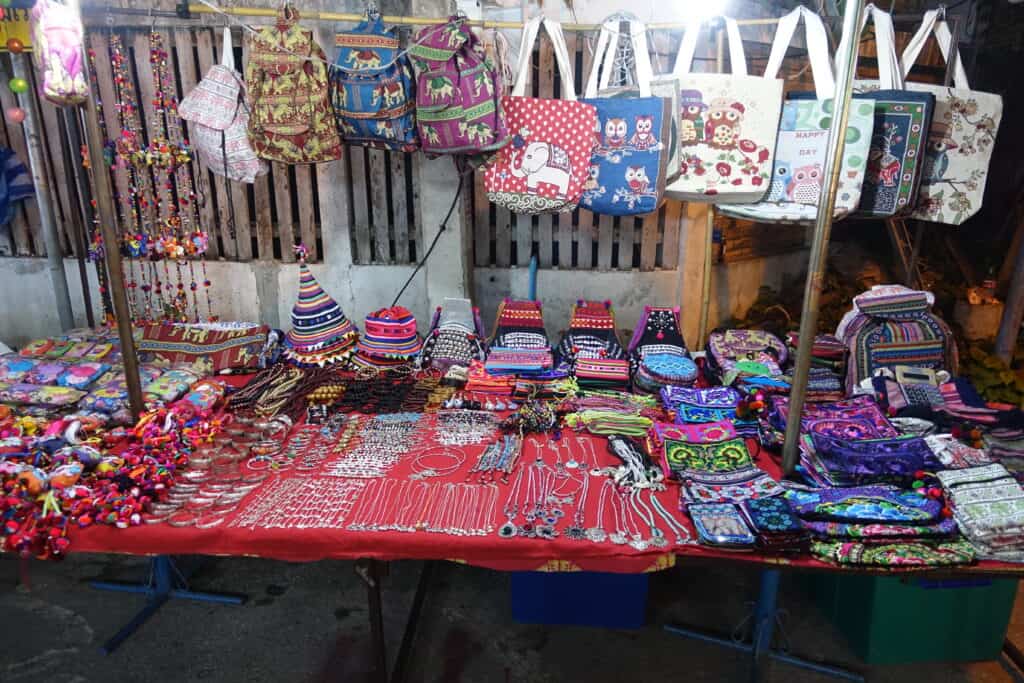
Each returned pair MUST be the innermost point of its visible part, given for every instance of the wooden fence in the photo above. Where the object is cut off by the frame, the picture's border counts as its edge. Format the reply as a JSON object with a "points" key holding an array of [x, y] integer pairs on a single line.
{"points": [[284, 207]]}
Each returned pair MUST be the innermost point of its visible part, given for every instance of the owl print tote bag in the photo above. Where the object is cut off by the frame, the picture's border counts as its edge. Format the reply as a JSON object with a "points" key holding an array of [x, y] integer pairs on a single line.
{"points": [[727, 127], [545, 166], [798, 170], [630, 160], [963, 132], [901, 126]]}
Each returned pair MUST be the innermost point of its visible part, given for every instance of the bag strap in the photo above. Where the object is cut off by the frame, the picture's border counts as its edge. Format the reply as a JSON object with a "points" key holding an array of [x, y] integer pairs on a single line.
{"points": [[688, 46], [227, 53], [932, 24], [817, 50], [531, 29], [890, 76], [606, 51]]}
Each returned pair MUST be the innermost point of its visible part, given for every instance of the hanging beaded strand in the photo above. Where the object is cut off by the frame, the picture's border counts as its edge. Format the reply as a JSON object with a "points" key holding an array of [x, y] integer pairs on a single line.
{"points": [[140, 202], [189, 241]]}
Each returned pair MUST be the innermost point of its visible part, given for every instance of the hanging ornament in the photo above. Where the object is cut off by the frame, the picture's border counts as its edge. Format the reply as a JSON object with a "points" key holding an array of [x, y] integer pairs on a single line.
{"points": [[15, 45], [17, 85], [15, 114]]}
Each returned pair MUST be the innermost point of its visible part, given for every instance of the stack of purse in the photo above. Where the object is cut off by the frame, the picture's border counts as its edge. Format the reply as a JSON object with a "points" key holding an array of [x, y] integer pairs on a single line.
{"points": [[520, 345], [777, 528], [834, 461], [590, 351], [658, 353], [988, 506]]}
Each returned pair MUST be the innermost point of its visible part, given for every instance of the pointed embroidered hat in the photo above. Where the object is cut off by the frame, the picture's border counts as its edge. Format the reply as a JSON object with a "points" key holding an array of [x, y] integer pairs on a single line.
{"points": [[320, 333]]}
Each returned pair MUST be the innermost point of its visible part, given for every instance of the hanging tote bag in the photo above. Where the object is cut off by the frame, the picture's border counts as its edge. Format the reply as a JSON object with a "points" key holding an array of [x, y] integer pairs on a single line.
{"points": [[798, 171], [57, 52], [219, 116], [727, 126], [901, 127], [371, 88], [630, 159], [961, 138], [545, 167]]}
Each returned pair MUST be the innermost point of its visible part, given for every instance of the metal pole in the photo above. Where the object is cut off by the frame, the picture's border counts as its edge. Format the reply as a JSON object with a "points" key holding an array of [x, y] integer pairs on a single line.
{"points": [[822, 229], [72, 160], [111, 246], [37, 164]]}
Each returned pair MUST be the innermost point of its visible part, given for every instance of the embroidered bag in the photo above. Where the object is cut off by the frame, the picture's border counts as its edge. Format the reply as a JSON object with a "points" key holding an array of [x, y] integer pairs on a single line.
{"points": [[57, 52], [628, 164], [961, 138], [727, 126], [520, 344], [865, 461], [901, 554], [455, 338], [902, 119], [891, 325], [290, 113], [731, 353], [988, 505], [657, 351], [721, 456], [219, 115], [746, 483], [798, 171], [544, 168], [215, 347], [458, 91], [865, 504], [590, 350], [720, 524], [372, 88]]}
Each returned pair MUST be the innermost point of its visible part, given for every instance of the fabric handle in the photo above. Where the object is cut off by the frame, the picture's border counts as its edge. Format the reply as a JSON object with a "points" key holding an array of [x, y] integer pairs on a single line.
{"points": [[688, 47], [932, 24], [605, 53], [227, 53], [817, 50], [530, 32], [890, 76]]}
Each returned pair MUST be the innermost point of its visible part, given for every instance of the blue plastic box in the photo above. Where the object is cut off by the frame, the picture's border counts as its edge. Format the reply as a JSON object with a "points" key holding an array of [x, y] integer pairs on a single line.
{"points": [[580, 599]]}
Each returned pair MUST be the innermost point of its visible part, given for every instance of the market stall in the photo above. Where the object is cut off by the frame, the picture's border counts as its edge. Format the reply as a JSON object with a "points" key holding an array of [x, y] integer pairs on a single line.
{"points": [[383, 439]]}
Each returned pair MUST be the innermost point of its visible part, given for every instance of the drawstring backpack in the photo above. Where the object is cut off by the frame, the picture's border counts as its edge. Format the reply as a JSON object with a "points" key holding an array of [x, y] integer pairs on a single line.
{"points": [[291, 119], [220, 118], [458, 91], [57, 52], [371, 88]]}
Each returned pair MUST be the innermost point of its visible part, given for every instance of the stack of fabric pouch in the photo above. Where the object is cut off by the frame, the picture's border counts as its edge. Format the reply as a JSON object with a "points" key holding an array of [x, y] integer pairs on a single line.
{"points": [[590, 351], [865, 461], [81, 375], [988, 505], [710, 404], [778, 529], [455, 337], [520, 345], [657, 352], [721, 525]]}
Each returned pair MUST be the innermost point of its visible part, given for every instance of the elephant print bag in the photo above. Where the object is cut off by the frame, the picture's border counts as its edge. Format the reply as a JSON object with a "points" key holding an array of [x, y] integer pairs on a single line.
{"points": [[630, 160], [727, 127], [901, 126], [963, 132], [544, 168], [798, 172]]}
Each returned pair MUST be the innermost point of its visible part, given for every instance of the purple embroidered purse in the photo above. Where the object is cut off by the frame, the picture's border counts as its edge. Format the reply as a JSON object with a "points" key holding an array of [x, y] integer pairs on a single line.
{"points": [[867, 459]]}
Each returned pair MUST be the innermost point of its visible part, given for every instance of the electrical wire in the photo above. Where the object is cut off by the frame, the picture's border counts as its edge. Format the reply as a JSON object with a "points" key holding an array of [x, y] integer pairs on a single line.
{"points": [[433, 243]]}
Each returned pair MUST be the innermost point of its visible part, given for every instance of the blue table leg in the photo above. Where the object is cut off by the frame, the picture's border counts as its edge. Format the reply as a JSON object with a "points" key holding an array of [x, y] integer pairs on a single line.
{"points": [[165, 583], [760, 645]]}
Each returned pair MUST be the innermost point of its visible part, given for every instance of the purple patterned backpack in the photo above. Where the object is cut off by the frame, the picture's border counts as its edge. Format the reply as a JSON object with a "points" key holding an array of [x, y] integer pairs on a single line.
{"points": [[732, 353], [458, 91]]}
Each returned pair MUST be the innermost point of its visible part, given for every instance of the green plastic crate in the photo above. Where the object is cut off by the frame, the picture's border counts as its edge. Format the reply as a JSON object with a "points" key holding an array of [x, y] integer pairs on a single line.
{"points": [[903, 620]]}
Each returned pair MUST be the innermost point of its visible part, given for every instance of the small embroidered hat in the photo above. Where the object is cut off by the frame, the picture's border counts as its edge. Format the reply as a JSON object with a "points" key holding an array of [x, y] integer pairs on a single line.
{"points": [[320, 334]]}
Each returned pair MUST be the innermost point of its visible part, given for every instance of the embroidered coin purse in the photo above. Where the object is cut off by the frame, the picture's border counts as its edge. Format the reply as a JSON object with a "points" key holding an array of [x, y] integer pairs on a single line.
{"points": [[865, 459], [721, 524], [725, 456], [865, 504]]}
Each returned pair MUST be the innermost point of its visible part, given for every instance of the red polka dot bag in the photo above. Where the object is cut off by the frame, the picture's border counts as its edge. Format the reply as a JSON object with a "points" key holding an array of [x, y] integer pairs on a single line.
{"points": [[545, 167]]}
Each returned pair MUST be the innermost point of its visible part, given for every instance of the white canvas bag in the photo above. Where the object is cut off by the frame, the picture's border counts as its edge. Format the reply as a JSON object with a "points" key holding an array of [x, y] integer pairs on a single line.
{"points": [[727, 125], [962, 135], [798, 172]]}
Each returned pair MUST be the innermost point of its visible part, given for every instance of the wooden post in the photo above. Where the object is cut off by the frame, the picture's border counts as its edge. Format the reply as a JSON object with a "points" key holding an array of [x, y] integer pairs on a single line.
{"points": [[111, 246], [847, 65], [1013, 313]]}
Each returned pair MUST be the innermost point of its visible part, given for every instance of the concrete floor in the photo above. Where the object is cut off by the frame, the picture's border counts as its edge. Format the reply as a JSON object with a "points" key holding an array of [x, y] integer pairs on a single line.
{"points": [[308, 622]]}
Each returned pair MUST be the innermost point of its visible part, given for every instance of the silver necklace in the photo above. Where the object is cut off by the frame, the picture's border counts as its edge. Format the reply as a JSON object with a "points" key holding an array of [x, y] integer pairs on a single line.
{"points": [[597, 534], [511, 509]]}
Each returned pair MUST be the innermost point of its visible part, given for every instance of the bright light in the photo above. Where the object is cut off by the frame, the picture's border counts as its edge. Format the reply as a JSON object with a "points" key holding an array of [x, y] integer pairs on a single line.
{"points": [[690, 10]]}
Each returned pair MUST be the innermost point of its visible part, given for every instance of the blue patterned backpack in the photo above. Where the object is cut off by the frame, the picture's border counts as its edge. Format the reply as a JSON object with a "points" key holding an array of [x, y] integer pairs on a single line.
{"points": [[372, 89]]}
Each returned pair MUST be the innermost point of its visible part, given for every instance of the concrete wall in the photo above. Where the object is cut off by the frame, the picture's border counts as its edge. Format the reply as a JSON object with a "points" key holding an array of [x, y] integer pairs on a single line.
{"points": [[266, 291]]}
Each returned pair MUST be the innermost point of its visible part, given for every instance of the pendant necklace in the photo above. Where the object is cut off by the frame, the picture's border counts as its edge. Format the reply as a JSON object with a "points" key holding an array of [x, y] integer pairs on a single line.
{"points": [[636, 539], [511, 509], [640, 507], [577, 532], [597, 534], [683, 536], [619, 537]]}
